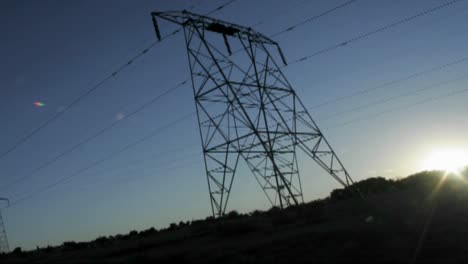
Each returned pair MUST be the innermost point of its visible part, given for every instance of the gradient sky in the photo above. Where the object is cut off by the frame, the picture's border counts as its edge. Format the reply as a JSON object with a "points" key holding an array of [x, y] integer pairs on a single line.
{"points": [[54, 51]]}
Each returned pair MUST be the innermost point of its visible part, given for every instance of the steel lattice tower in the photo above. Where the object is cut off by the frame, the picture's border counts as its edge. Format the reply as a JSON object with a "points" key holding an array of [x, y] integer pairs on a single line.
{"points": [[247, 110], [4, 247]]}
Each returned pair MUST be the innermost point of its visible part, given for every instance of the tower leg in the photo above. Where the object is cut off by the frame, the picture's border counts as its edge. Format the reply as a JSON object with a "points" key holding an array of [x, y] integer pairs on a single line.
{"points": [[4, 247]]}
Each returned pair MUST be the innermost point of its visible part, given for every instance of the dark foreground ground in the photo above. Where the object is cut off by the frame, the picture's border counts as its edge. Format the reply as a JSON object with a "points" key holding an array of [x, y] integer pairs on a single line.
{"points": [[418, 219]]}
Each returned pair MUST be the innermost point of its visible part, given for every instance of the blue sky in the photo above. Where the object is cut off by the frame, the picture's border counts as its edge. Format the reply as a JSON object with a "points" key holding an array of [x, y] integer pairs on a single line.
{"points": [[54, 51]]}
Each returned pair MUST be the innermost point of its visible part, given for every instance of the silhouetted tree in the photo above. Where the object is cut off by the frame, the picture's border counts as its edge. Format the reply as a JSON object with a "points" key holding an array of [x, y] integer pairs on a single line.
{"points": [[18, 251]]}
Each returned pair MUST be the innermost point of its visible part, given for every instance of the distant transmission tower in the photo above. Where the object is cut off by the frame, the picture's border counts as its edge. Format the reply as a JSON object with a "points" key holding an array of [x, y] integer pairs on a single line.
{"points": [[4, 248], [247, 110]]}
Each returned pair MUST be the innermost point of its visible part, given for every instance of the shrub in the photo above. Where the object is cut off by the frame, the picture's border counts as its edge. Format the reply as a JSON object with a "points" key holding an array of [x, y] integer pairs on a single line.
{"points": [[18, 251], [101, 240], [47, 249], [74, 245], [149, 231], [232, 215], [256, 213], [182, 224], [69, 244], [173, 226], [197, 222], [209, 219], [367, 186], [274, 210]]}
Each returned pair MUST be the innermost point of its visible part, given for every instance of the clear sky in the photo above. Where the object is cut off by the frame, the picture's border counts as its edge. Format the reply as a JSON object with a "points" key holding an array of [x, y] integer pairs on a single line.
{"points": [[54, 51]]}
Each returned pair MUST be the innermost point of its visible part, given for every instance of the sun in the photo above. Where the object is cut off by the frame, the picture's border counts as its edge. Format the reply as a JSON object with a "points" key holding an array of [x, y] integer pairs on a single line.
{"points": [[449, 160]]}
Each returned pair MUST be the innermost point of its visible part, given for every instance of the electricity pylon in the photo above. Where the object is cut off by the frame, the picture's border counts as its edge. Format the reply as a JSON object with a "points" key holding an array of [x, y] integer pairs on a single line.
{"points": [[4, 247], [247, 110]]}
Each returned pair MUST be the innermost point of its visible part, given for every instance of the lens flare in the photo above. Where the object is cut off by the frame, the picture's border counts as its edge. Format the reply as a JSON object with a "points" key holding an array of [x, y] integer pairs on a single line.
{"points": [[450, 160], [39, 104]]}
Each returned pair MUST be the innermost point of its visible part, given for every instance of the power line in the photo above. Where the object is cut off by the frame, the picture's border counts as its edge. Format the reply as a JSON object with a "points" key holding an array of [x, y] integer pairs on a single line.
{"points": [[302, 23], [393, 82], [62, 180], [392, 98], [221, 7], [142, 107], [390, 83], [100, 132], [362, 36], [144, 51], [180, 161], [372, 32], [93, 136], [126, 179], [157, 131], [282, 12], [408, 106], [82, 96], [111, 155], [131, 165], [167, 167], [95, 87], [310, 19]]}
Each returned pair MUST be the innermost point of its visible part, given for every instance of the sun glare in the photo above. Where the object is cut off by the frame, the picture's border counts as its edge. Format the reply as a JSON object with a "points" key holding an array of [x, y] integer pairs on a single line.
{"points": [[450, 160]]}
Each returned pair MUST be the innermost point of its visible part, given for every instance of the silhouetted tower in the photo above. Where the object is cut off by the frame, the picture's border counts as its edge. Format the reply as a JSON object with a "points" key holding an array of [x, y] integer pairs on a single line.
{"points": [[247, 110], [3, 236]]}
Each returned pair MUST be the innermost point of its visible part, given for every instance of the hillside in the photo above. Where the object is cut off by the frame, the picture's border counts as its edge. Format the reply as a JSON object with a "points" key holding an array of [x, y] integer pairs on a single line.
{"points": [[420, 218]]}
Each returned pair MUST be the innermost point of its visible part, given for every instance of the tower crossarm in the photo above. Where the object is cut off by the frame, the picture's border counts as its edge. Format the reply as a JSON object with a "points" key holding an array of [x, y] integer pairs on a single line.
{"points": [[184, 18]]}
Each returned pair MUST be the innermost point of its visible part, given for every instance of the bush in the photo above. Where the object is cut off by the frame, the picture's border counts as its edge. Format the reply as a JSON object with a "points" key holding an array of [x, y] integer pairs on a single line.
{"points": [[73, 245], [69, 244], [197, 222], [256, 213], [274, 210], [209, 219], [422, 180], [47, 249], [18, 251], [232, 215], [148, 232], [340, 194], [367, 186], [173, 226], [101, 240], [182, 224]]}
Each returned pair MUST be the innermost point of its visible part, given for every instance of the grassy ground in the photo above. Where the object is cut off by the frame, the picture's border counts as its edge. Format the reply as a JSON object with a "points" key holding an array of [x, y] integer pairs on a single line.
{"points": [[419, 219]]}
